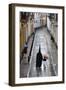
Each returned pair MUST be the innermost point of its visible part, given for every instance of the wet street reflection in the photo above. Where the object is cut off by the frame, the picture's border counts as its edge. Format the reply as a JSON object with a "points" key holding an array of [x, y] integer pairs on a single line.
{"points": [[43, 39], [38, 31]]}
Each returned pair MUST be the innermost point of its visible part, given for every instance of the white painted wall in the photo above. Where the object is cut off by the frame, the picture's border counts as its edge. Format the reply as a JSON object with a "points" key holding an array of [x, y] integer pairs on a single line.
{"points": [[36, 20], [48, 24], [53, 30]]}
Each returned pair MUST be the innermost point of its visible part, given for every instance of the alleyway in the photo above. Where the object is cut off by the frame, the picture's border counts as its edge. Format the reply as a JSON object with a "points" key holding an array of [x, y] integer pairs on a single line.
{"points": [[42, 38], [45, 36]]}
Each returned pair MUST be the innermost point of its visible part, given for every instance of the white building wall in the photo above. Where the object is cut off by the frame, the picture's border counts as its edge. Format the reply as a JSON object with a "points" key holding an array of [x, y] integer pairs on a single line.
{"points": [[37, 20], [48, 24], [53, 29]]}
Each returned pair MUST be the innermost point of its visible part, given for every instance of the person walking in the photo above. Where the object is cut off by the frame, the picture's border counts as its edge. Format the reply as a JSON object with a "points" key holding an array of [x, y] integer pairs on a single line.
{"points": [[45, 61], [25, 57], [39, 58]]}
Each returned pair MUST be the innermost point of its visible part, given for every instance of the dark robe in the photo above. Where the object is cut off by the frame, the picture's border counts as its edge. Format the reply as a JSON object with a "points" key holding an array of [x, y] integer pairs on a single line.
{"points": [[39, 59]]}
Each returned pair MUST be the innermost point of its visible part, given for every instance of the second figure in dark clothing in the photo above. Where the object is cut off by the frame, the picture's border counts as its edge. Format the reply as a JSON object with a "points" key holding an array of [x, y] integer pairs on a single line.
{"points": [[39, 58]]}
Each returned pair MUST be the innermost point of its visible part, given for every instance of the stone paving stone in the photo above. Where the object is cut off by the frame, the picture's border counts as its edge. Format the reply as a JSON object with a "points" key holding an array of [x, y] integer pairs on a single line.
{"points": [[24, 66], [42, 38]]}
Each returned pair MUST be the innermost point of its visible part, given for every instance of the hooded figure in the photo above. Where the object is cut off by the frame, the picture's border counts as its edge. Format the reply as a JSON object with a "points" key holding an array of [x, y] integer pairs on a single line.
{"points": [[25, 48], [39, 58]]}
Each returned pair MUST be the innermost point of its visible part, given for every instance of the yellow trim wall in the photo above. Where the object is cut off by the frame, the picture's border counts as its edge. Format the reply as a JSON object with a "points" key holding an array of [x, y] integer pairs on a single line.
{"points": [[22, 35]]}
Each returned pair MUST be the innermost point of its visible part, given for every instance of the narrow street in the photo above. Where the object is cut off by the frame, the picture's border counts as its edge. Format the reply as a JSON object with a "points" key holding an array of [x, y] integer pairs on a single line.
{"points": [[38, 29], [43, 39]]}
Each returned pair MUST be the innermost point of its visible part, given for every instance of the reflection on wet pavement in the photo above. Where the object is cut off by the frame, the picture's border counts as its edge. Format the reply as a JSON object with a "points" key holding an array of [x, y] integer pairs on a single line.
{"points": [[42, 38]]}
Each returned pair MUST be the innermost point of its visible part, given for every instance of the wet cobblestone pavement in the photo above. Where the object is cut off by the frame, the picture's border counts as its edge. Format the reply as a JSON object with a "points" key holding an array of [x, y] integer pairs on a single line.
{"points": [[43, 39], [48, 68]]}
